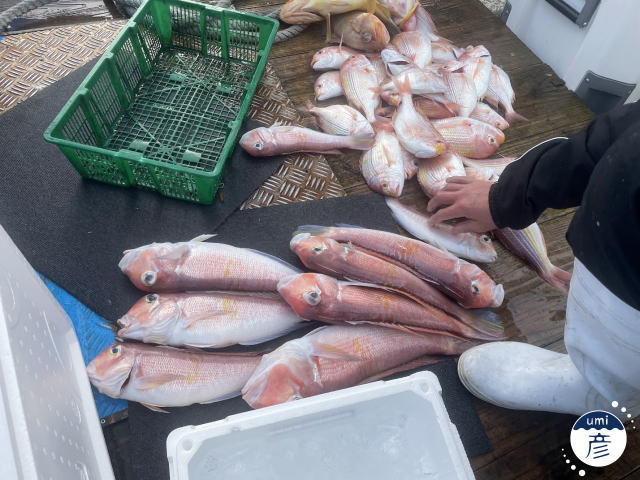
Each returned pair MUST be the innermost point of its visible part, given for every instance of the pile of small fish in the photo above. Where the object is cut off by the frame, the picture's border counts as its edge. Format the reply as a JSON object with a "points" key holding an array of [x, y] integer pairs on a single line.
{"points": [[392, 303], [415, 100]]}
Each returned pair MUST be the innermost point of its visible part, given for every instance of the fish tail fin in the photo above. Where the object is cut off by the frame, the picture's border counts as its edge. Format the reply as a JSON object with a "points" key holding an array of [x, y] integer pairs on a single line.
{"points": [[558, 278], [361, 142], [403, 85], [306, 108], [512, 116], [487, 323]]}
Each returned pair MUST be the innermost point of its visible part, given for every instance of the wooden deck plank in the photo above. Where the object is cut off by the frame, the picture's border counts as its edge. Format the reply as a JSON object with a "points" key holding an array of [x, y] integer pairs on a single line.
{"points": [[526, 445]]}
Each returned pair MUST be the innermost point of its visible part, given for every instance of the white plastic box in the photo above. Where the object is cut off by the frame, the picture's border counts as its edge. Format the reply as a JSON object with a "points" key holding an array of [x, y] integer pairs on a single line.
{"points": [[397, 429], [49, 428]]}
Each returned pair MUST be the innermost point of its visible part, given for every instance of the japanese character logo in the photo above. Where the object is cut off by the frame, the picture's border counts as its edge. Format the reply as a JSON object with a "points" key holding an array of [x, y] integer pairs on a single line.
{"points": [[598, 438]]}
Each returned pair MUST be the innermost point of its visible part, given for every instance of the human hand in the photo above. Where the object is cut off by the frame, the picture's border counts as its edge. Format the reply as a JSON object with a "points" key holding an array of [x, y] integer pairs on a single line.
{"points": [[463, 197]]}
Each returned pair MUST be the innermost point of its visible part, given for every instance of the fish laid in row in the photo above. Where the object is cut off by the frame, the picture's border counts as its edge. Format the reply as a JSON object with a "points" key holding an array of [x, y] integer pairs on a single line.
{"points": [[465, 282], [169, 377], [208, 319], [335, 357], [185, 266]]}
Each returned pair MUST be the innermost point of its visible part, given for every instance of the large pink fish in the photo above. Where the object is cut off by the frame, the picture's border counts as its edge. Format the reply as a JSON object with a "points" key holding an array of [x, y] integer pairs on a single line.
{"points": [[169, 377], [335, 357], [192, 266], [278, 140], [465, 282]]}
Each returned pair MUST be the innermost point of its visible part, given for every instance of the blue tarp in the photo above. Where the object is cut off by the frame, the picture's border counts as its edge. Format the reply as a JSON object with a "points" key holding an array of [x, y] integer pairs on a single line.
{"points": [[94, 336]]}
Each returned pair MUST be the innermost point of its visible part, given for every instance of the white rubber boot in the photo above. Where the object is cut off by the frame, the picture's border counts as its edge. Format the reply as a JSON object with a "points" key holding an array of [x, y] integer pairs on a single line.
{"points": [[520, 376]]}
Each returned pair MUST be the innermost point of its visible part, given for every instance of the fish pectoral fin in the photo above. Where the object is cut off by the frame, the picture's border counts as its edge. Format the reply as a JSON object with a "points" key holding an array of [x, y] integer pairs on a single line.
{"points": [[223, 397], [330, 351], [282, 333], [153, 381], [191, 320], [155, 408], [417, 363]]}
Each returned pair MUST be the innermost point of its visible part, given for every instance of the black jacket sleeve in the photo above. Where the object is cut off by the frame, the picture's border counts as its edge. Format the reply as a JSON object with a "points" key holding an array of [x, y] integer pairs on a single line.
{"points": [[555, 173]]}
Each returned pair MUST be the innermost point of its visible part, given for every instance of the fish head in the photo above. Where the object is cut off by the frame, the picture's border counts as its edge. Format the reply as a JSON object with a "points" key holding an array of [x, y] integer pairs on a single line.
{"points": [[388, 185], [318, 253], [500, 123], [150, 318], [152, 267], [371, 31], [481, 248], [259, 142], [309, 294], [480, 290], [110, 370], [324, 59], [286, 374], [451, 66], [326, 86]]}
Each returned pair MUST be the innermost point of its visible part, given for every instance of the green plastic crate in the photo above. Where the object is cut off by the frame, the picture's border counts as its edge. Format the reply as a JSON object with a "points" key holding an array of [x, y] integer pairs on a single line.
{"points": [[162, 107]]}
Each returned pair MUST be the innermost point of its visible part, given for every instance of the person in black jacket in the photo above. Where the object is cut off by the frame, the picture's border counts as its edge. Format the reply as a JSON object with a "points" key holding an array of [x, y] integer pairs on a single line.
{"points": [[597, 169]]}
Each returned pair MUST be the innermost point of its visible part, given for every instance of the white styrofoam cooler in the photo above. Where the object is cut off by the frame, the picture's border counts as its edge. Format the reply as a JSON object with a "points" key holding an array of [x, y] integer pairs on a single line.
{"points": [[387, 429], [49, 428]]}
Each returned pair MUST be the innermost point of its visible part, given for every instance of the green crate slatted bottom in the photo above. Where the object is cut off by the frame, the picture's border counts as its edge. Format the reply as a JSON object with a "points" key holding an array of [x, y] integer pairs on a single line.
{"points": [[180, 113]]}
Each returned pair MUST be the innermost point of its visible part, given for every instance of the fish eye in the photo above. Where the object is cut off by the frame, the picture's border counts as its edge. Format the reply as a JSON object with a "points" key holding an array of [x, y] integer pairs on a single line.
{"points": [[115, 350], [312, 297], [474, 289], [148, 278], [485, 238], [152, 297], [492, 140], [317, 249], [258, 145]]}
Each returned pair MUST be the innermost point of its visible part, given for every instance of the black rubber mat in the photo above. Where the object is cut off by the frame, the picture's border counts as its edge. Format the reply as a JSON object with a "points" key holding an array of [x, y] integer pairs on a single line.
{"points": [[269, 230]]}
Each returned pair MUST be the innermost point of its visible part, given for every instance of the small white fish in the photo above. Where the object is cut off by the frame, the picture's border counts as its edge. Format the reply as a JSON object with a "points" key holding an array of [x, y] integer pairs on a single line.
{"points": [[340, 120], [472, 246], [383, 167], [433, 172], [331, 58], [415, 133], [360, 83], [500, 94], [328, 86]]}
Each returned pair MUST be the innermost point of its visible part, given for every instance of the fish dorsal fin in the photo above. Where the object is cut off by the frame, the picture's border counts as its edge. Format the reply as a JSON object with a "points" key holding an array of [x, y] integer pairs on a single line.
{"points": [[347, 225], [204, 237], [275, 259], [282, 333]]}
